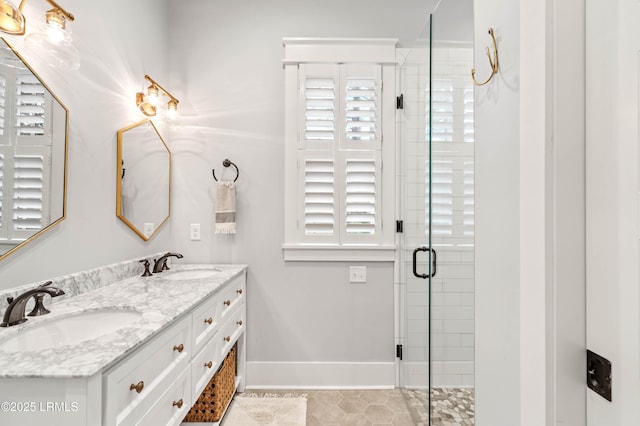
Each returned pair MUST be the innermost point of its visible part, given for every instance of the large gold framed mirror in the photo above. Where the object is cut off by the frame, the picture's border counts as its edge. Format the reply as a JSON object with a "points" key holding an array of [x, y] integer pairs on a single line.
{"points": [[33, 153], [143, 179]]}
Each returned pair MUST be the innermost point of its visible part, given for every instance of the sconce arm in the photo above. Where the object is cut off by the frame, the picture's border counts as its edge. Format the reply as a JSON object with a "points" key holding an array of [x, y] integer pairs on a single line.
{"points": [[62, 10], [68, 15], [155, 83]]}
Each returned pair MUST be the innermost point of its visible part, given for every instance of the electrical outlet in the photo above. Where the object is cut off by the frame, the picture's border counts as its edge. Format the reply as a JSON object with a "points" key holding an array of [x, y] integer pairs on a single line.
{"points": [[358, 274], [148, 229], [195, 232]]}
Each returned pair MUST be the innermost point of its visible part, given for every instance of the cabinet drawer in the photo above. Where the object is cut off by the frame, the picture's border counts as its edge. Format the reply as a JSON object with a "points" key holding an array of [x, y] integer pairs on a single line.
{"points": [[232, 296], [206, 322], [203, 367], [230, 332], [150, 369], [173, 405]]}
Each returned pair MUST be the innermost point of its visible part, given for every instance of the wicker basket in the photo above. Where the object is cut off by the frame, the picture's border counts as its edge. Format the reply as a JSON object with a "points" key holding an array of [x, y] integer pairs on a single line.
{"points": [[216, 395]]}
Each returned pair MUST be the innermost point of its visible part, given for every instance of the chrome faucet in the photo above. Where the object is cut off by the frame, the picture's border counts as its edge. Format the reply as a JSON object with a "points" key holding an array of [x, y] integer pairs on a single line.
{"points": [[160, 264], [14, 314]]}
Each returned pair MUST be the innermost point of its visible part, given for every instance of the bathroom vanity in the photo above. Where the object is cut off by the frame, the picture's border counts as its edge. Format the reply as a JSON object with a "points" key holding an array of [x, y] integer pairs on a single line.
{"points": [[139, 351]]}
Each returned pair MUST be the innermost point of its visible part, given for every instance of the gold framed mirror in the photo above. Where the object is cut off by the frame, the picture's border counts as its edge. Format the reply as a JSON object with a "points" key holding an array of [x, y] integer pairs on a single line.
{"points": [[33, 153], [143, 179]]}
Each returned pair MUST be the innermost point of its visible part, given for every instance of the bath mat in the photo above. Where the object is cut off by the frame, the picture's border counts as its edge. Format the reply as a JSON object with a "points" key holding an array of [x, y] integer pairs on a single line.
{"points": [[270, 410]]}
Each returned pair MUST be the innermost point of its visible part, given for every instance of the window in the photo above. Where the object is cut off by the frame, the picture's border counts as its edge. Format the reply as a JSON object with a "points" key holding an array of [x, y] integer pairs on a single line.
{"points": [[339, 151]]}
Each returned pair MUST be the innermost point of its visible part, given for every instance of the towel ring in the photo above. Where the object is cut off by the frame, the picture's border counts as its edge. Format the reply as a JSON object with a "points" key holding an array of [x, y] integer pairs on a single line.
{"points": [[227, 163]]}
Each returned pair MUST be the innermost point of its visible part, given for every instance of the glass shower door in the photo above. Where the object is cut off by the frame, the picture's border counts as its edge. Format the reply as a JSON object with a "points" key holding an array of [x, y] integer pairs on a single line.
{"points": [[438, 242]]}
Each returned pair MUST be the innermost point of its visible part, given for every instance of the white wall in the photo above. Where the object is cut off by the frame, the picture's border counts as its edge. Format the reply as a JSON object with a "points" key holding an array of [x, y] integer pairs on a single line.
{"points": [[227, 68], [117, 49], [613, 297], [530, 233], [497, 217]]}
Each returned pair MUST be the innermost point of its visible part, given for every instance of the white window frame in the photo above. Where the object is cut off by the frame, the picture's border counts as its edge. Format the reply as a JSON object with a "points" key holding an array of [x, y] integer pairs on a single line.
{"points": [[382, 247]]}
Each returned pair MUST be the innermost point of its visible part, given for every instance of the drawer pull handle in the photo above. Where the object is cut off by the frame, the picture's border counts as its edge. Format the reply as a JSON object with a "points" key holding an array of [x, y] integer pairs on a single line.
{"points": [[138, 388], [209, 364], [239, 291], [178, 403], [209, 321], [227, 339], [179, 348], [227, 302], [239, 322]]}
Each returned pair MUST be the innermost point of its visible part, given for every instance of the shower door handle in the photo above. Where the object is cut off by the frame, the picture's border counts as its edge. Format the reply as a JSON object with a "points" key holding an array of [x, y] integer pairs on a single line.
{"points": [[415, 263]]}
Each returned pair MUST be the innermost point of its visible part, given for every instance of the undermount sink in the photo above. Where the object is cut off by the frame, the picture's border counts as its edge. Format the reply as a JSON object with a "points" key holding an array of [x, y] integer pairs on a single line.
{"points": [[69, 330], [190, 274]]}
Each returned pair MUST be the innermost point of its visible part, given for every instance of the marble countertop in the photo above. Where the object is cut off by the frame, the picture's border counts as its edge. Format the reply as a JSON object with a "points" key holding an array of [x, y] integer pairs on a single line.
{"points": [[159, 300]]}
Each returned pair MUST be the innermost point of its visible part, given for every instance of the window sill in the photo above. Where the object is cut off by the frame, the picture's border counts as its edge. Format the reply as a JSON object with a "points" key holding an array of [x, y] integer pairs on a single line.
{"points": [[338, 253]]}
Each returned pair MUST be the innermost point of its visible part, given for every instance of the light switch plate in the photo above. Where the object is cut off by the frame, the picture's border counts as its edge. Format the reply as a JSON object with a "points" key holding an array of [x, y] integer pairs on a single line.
{"points": [[358, 274], [195, 232], [148, 229]]}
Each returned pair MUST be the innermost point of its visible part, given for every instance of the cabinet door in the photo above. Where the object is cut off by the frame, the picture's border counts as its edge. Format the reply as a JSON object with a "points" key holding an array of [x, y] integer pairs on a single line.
{"points": [[134, 384], [173, 405]]}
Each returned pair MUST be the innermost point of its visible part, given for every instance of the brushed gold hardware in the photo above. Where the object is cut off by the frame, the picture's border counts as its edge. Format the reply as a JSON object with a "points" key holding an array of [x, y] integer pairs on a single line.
{"points": [[227, 302], [179, 348], [494, 65], [209, 321], [138, 387], [239, 322], [208, 364], [227, 339], [15, 21], [178, 403], [147, 107], [239, 291]]}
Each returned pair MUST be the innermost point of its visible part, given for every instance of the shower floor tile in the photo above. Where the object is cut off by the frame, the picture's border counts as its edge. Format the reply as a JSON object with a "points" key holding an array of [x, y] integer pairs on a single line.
{"points": [[451, 406]]}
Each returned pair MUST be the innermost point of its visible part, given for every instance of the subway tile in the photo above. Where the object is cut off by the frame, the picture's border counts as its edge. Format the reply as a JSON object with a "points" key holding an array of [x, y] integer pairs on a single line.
{"points": [[458, 326]]}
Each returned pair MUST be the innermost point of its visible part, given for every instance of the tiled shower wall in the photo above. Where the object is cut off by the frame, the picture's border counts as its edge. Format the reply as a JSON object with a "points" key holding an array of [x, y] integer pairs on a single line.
{"points": [[452, 307]]}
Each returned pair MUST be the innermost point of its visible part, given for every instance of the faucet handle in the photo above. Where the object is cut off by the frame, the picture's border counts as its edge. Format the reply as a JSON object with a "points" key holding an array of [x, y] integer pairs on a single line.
{"points": [[146, 263], [9, 300], [47, 284]]}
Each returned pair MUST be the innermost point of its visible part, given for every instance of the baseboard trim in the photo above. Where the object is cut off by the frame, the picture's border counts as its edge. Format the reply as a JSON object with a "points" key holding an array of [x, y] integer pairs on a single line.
{"points": [[320, 375]]}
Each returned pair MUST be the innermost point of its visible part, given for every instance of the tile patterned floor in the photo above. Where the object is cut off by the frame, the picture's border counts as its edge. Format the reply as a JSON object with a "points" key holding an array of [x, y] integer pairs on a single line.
{"points": [[396, 407], [353, 407], [451, 406]]}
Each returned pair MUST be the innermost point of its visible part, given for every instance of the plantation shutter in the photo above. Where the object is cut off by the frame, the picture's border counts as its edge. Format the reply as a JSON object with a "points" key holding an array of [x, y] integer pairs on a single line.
{"points": [[452, 186], [30, 106], [319, 195], [28, 192], [361, 193], [339, 152], [318, 134]]}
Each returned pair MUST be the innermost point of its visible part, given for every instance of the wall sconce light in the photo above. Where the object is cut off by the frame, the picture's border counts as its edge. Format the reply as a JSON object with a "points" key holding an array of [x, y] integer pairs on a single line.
{"points": [[53, 35], [148, 103]]}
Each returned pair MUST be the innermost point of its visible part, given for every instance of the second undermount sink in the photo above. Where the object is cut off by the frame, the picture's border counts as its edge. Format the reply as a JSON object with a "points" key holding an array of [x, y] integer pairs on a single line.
{"points": [[190, 274], [69, 330]]}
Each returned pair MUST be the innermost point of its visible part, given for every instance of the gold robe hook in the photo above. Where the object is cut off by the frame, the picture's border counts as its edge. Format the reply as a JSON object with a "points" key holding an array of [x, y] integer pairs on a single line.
{"points": [[492, 62]]}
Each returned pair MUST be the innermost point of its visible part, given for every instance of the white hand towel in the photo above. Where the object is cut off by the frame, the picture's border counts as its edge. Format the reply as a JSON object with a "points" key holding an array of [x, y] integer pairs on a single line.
{"points": [[226, 208]]}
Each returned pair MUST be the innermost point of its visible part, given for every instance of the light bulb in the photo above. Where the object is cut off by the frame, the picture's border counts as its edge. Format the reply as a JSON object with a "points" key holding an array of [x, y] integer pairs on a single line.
{"points": [[152, 96], [172, 110], [55, 32]]}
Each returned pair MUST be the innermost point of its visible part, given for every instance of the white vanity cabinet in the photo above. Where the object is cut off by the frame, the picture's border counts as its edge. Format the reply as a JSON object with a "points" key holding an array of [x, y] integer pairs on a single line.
{"points": [[156, 383], [177, 364]]}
